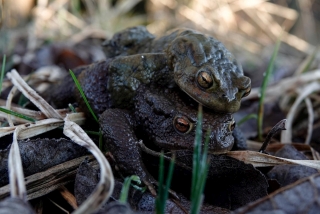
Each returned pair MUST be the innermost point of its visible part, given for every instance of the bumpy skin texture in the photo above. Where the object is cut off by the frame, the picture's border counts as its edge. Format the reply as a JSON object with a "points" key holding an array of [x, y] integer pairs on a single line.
{"points": [[202, 67], [112, 83], [154, 120], [127, 73], [157, 113], [93, 81], [39, 155]]}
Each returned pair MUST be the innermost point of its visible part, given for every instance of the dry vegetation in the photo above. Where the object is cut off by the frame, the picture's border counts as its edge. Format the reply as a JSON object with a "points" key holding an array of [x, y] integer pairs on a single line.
{"points": [[248, 28]]}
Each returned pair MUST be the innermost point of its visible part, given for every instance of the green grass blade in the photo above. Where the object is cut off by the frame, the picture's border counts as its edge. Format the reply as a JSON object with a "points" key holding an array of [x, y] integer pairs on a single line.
{"points": [[2, 72], [160, 203], [305, 65], [75, 7], [196, 153], [17, 114], [197, 196], [82, 94], [163, 190], [92, 132], [126, 186], [23, 100], [168, 183], [72, 108], [248, 117], [203, 179], [199, 167], [141, 189], [263, 88]]}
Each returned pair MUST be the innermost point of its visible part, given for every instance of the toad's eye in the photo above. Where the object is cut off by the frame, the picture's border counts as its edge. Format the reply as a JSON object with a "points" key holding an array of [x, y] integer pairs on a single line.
{"points": [[204, 79], [182, 124], [232, 125], [247, 92]]}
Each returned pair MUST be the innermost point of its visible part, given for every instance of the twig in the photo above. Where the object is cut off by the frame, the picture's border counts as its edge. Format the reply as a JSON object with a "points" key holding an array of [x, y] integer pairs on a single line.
{"points": [[278, 127]]}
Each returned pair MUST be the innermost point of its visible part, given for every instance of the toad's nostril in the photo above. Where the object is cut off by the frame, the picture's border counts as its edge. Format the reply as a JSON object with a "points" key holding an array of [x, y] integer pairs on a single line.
{"points": [[228, 97]]}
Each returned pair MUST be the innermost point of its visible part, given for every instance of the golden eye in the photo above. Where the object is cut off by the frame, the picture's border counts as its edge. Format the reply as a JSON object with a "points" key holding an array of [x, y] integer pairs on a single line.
{"points": [[232, 125], [204, 79], [182, 124], [247, 92]]}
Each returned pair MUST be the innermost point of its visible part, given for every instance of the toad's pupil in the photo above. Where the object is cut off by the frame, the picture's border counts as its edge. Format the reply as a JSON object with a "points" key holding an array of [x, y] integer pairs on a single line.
{"points": [[182, 125], [205, 80]]}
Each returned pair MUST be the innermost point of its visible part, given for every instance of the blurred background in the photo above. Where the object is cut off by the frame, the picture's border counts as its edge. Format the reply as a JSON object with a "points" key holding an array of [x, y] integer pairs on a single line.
{"points": [[249, 28]]}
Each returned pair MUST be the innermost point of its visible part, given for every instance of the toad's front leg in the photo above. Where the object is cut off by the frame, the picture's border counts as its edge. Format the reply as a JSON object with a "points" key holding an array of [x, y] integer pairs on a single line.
{"points": [[117, 128]]}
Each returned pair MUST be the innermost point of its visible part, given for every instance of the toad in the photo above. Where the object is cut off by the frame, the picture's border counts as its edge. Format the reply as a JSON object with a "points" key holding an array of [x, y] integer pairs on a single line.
{"points": [[163, 117], [199, 64], [165, 120]]}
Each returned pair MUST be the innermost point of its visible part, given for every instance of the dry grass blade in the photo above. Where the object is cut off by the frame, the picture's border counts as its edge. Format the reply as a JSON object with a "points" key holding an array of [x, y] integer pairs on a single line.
{"points": [[279, 10], [308, 21], [305, 92], [297, 43], [16, 177], [60, 207], [258, 159], [310, 120], [282, 87], [39, 127], [274, 147], [123, 7], [78, 118], [37, 115], [42, 183], [315, 154], [251, 25], [66, 194], [28, 92], [7, 130], [105, 186]]}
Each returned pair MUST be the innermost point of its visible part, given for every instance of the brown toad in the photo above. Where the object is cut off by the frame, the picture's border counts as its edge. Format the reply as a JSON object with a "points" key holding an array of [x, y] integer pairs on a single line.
{"points": [[164, 120], [202, 67]]}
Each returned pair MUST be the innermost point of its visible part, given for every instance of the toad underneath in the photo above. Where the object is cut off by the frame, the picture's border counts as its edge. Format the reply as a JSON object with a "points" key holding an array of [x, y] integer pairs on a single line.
{"points": [[164, 120]]}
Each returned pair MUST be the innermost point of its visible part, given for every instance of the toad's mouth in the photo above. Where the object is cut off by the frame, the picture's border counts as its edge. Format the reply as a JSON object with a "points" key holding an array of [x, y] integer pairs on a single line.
{"points": [[219, 104], [217, 152]]}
